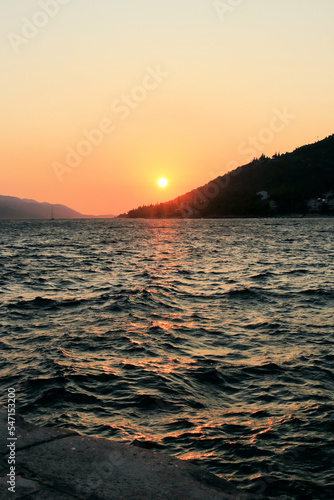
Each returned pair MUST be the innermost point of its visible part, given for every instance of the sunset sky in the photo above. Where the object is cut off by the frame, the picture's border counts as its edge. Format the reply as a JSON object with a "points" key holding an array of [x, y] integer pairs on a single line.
{"points": [[177, 89]]}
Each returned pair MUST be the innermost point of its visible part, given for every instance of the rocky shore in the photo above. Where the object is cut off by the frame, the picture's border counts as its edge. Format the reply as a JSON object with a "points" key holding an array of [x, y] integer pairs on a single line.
{"points": [[45, 463]]}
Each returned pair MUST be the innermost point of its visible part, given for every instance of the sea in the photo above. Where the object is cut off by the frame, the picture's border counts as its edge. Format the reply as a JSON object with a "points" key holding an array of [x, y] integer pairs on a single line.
{"points": [[210, 340]]}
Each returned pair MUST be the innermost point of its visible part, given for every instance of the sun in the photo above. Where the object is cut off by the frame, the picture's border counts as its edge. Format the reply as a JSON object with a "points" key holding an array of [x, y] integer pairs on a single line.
{"points": [[162, 182]]}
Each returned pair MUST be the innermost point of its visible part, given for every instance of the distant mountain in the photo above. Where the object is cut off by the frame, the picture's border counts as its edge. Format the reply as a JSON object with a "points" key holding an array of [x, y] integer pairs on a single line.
{"points": [[17, 208], [301, 182]]}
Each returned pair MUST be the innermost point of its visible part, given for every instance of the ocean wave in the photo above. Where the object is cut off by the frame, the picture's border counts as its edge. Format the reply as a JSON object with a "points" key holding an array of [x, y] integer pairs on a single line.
{"points": [[210, 340]]}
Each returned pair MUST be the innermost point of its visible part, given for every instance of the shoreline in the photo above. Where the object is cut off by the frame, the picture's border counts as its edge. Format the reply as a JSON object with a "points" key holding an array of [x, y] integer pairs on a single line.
{"points": [[212, 217], [241, 217], [60, 464]]}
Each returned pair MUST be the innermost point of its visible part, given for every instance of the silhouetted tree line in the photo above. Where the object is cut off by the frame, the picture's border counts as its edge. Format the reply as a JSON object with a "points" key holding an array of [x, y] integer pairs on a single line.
{"points": [[290, 179]]}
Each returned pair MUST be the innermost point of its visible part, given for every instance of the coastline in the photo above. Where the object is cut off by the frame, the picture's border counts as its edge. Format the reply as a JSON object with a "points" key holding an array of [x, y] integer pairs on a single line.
{"points": [[60, 464], [196, 217]]}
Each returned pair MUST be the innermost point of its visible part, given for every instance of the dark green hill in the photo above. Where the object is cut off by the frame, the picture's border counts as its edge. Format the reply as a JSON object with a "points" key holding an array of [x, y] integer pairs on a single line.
{"points": [[300, 182]]}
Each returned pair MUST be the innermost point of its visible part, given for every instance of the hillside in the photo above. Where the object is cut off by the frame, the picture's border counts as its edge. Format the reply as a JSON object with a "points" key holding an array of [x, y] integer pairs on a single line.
{"points": [[17, 208], [300, 182]]}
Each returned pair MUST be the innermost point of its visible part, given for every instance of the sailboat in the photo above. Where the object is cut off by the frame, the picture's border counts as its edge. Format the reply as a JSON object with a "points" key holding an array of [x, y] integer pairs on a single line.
{"points": [[52, 218]]}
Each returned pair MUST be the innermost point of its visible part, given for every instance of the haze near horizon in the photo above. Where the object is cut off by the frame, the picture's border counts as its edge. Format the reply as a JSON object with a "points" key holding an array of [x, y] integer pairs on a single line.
{"points": [[100, 101]]}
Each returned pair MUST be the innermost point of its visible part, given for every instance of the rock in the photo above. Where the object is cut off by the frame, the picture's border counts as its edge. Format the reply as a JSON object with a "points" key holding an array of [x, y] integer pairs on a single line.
{"points": [[58, 464]]}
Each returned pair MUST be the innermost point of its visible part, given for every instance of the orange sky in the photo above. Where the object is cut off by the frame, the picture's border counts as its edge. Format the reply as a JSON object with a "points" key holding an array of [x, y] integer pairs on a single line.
{"points": [[101, 99]]}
